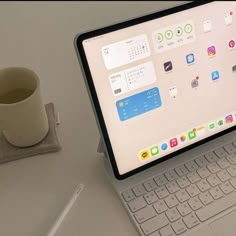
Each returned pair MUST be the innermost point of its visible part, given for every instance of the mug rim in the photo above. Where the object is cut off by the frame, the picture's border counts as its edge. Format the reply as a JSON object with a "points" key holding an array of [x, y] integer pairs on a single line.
{"points": [[35, 76]]}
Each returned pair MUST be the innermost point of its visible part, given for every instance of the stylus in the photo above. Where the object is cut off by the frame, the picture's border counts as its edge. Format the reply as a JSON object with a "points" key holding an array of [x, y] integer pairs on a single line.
{"points": [[65, 210]]}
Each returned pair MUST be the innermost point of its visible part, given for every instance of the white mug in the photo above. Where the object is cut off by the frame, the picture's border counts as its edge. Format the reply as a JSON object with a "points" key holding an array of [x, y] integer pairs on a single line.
{"points": [[23, 118]]}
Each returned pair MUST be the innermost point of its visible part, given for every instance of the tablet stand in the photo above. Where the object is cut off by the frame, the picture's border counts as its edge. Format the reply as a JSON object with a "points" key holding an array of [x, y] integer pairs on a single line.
{"points": [[101, 148]]}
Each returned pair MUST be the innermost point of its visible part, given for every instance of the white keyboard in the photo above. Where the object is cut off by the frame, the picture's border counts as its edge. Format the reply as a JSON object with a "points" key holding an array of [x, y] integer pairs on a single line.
{"points": [[179, 200]]}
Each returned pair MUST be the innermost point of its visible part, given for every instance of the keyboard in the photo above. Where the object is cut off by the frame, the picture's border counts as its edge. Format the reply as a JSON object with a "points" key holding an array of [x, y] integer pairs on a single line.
{"points": [[182, 198]]}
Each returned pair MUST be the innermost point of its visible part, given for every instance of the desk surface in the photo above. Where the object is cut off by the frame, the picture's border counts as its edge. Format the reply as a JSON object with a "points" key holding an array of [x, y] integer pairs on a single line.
{"points": [[33, 191]]}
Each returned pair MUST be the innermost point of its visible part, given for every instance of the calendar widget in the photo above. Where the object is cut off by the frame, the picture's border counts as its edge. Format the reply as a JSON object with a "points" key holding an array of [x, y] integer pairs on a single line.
{"points": [[174, 36], [126, 51], [132, 78], [138, 104]]}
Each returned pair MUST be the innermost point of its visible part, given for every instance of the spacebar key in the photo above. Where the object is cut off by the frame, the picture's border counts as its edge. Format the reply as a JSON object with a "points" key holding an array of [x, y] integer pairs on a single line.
{"points": [[217, 207], [154, 224]]}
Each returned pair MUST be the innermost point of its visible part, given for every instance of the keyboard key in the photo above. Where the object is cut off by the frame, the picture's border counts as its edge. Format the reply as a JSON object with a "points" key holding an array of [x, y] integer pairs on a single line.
{"points": [[183, 182], [181, 170], [172, 214], [191, 220], [137, 204], [211, 157], [203, 185], [172, 187], [167, 231], [216, 193], [195, 203], [160, 206], [223, 163], [171, 175], [206, 198], [223, 175], [220, 152], [201, 161], [193, 177], [193, 190], [171, 201], [179, 227], [233, 182], [145, 214], [226, 187], [191, 166], [217, 207], [182, 195], [184, 209], [128, 195], [160, 180], [150, 185], [230, 148], [232, 170], [156, 233], [162, 192], [150, 197], [139, 190], [213, 180], [203, 172], [232, 158], [213, 167], [154, 224]]}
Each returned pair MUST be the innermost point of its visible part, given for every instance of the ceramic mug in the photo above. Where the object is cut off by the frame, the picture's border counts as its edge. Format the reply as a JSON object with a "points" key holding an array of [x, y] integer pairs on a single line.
{"points": [[23, 118]]}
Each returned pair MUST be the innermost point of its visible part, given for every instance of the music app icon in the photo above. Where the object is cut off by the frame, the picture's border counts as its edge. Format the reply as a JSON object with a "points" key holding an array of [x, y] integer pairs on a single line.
{"points": [[211, 51], [173, 142]]}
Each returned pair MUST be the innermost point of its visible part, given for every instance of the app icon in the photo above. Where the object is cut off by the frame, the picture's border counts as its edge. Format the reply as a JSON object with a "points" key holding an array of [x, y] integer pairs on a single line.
{"points": [[211, 126], [144, 155], [168, 66], [215, 75], [211, 51], [200, 130], [183, 138], [178, 31], [168, 34], [220, 122], [173, 142], [207, 26], [228, 18], [234, 69], [173, 91], [164, 146], [190, 58], [154, 150], [229, 119], [231, 44], [195, 83], [192, 134]]}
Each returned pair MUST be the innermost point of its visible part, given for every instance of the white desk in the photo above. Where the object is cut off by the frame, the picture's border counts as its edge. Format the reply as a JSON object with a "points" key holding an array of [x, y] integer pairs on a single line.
{"points": [[33, 191]]}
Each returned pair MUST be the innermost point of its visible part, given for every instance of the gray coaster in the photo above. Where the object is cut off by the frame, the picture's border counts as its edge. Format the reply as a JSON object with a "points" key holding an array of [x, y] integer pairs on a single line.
{"points": [[50, 143]]}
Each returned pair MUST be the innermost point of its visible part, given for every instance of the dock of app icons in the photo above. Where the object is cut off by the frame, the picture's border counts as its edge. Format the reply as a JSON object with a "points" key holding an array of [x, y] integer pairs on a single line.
{"points": [[158, 150]]}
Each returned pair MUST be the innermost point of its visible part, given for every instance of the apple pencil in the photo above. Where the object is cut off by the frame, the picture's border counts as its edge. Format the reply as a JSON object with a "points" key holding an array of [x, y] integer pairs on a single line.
{"points": [[65, 211]]}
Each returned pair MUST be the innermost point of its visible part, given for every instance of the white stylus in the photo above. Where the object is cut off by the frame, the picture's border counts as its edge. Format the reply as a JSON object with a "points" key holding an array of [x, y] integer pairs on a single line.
{"points": [[65, 211]]}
